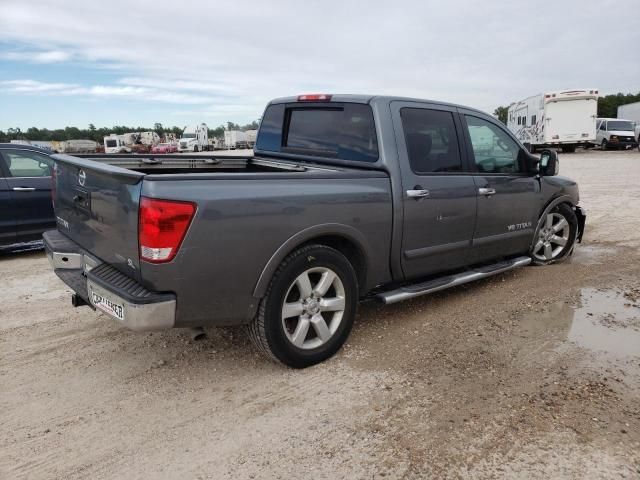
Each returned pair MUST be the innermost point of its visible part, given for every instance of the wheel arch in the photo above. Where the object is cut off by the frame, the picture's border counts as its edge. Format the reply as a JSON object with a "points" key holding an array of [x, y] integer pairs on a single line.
{"points": [[344, 238], [551, 204]]}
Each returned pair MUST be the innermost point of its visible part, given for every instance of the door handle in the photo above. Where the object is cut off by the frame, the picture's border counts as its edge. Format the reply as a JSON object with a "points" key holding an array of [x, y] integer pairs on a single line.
{"points": [[417, 193], [24, 189], [486, 191]]}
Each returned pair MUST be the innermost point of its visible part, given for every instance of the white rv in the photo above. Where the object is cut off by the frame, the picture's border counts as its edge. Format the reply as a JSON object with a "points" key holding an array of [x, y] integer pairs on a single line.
{"points": [[115, 144], [194, 139], [562, 119]]}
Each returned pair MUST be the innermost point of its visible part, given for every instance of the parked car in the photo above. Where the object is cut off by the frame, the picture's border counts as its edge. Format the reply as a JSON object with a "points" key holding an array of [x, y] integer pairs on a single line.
{"points": [[25, 193], [164, 148], [615, 133], [347, 197]]}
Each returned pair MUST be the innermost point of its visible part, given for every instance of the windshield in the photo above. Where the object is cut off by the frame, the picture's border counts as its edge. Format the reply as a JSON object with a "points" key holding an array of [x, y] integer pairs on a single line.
{"points": [[622, 125], [188, 135]]}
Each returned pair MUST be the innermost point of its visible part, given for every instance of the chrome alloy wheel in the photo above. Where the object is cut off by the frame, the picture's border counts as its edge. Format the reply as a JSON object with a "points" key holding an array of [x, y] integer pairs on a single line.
{"points": [[313, 308], [552, 237]]}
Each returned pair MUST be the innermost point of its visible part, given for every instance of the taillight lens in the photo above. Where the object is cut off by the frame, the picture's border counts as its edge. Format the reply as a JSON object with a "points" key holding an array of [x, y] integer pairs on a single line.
{"points": [[162, 226]]}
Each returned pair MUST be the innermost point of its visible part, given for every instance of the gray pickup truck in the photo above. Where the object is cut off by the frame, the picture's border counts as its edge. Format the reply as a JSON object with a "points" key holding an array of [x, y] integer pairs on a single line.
{"points": [[346, 197]]}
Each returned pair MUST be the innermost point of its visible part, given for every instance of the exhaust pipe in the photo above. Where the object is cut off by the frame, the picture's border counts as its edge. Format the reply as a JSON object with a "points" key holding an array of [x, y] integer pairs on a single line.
{"points": [[197, 333], [78, 301]]}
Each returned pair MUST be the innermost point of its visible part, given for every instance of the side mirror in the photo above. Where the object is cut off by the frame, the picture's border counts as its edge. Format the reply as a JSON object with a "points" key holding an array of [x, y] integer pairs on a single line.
{"points": [[549, 165]]}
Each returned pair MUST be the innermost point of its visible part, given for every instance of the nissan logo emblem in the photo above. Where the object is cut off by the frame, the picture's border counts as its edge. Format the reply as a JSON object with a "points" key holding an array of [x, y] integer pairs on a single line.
{"points": [[82, 177]]}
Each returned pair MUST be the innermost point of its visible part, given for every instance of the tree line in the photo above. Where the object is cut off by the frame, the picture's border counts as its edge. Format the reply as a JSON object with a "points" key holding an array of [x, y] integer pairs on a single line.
{"points": [[97, 134], [607, 105]]}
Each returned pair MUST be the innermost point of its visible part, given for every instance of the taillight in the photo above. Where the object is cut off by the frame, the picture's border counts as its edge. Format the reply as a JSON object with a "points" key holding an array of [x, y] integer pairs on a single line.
{"points": [[162, 226], [314, 97]]}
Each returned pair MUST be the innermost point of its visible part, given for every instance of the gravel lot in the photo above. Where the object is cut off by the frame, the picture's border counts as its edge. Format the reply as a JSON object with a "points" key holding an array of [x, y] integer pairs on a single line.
{"points": [[531, 374]]}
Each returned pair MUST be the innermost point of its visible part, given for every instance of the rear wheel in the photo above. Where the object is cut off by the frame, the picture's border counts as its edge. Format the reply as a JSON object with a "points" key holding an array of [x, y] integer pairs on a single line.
{"points": [[309, 308], [556, 235]]}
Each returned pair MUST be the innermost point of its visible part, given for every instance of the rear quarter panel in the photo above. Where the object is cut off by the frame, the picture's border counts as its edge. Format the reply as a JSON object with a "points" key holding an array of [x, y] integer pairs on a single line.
{"points": [[241, 222]]}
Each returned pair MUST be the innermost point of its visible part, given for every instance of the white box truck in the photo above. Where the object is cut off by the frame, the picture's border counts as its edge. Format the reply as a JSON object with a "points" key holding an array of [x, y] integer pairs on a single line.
{"points": [[631, 111], [562, 119], [194, 139]]}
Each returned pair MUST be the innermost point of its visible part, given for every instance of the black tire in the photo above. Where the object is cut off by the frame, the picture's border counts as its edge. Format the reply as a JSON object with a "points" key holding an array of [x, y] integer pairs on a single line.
{"points": [[568, 148], [267, 330], [604, 145], [195, 149], [566, 211]]}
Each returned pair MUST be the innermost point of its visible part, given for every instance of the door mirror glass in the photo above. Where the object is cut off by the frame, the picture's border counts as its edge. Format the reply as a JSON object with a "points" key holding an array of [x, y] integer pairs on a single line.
{"points": [[548, 163]]}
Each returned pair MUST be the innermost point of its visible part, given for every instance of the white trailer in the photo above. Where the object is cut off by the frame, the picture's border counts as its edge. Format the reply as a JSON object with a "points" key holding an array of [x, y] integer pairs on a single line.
{"points": [[562, 119], [194, 139], [251, 137], [631, 111], [235, 139]]}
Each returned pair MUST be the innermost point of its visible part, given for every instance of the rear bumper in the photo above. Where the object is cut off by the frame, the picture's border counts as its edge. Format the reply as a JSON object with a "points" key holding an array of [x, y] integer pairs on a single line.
{"points": [[106, 289]]}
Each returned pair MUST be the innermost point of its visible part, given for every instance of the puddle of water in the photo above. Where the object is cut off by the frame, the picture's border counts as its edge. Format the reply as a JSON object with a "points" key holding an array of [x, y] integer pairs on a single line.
{"points": [[591, 254], [604, 321]]}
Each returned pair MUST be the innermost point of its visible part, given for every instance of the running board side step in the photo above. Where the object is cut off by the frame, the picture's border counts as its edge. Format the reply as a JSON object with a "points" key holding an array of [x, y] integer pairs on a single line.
{"points": [[442, 283]]}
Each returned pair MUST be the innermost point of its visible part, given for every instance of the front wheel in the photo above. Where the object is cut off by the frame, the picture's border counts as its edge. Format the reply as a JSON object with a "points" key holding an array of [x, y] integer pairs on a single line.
{"points": [[309, 308], [604, 145], [555, 236]]}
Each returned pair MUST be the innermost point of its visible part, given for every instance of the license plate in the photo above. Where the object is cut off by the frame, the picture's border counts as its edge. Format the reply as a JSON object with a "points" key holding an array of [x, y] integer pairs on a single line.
{"points": [[107, 306]]}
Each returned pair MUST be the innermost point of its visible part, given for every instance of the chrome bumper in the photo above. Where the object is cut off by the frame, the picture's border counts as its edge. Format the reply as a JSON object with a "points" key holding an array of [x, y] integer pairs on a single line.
{"points": [[100, 284]]}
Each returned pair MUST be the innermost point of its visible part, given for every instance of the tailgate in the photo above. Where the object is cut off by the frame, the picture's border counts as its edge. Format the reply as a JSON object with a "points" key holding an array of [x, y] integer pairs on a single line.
{"points": [[96, 206]]}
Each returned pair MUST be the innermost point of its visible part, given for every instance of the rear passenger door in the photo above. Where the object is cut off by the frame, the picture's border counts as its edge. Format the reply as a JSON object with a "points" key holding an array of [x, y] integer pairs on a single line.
{"points": [[438, 197], [7, 218], [29, 184], [508, 191]]}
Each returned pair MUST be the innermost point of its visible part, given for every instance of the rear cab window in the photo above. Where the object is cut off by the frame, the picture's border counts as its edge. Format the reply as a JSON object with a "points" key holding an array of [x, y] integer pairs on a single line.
{"points": [[344, 131]]}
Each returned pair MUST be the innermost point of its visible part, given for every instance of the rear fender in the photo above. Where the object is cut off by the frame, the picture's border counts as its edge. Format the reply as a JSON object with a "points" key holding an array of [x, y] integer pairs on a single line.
{"points": [[304, 236]]}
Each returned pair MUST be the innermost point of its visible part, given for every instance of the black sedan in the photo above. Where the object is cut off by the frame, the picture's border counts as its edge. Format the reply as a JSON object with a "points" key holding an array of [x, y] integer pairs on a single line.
{"points": [[26, 210]]}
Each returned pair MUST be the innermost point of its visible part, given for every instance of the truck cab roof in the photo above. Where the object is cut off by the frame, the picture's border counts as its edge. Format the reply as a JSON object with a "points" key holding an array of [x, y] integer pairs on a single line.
{"points": [[369, 99]]}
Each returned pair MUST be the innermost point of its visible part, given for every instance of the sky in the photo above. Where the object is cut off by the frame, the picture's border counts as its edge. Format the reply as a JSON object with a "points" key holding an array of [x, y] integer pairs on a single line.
{"points": [[71, 62]]}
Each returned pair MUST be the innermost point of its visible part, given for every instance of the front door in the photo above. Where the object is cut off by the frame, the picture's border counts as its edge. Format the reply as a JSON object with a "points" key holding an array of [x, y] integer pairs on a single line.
{"points": [[508, 192], [439, 198], [7, 219], [29, 183]]}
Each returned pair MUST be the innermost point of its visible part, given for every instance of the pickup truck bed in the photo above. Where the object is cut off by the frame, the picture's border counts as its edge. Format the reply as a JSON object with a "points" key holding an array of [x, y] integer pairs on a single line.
{"points": [[231, 240]]}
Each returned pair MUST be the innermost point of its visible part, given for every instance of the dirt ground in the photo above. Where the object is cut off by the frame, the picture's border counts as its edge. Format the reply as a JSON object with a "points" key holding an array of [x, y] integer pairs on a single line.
{"points": [[531, 374]]}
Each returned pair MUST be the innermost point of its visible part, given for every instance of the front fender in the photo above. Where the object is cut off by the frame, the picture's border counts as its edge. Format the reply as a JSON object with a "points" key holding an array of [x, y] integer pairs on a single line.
{"points": [[550, 206]]}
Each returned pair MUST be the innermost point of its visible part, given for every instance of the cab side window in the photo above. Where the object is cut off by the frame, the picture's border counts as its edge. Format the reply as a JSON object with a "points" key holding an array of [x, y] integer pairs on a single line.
{"points": [[432, 140], [494, 150], [23, 163]]}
